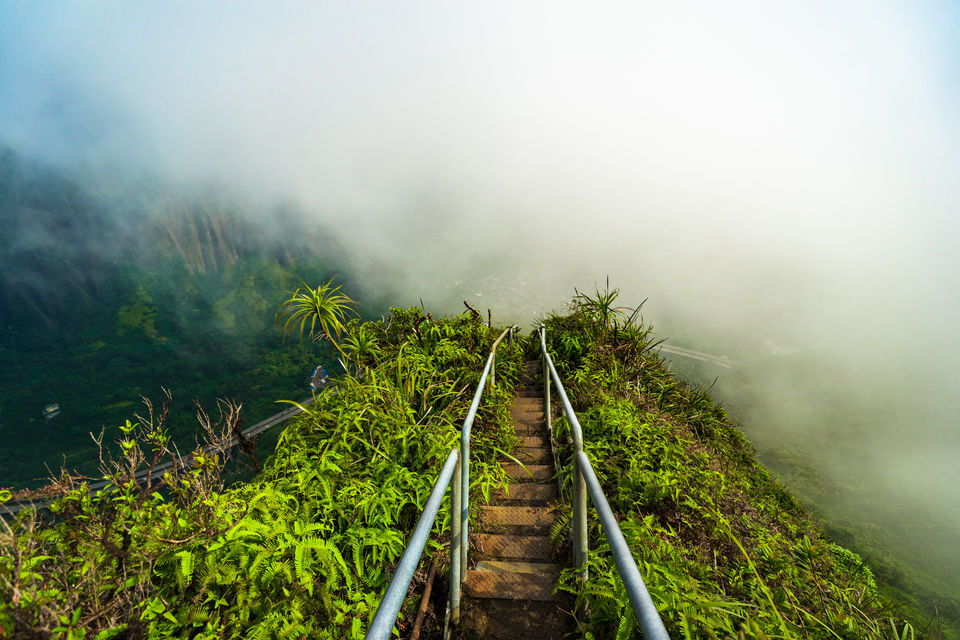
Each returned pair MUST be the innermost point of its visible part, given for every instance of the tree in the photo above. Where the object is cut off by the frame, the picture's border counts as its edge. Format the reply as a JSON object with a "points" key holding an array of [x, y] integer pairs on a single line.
{"points": [[325, 306]]}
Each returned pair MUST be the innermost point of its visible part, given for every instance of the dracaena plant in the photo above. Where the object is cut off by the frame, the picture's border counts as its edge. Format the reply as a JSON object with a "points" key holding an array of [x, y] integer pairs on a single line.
{"points": [[325, 309]]}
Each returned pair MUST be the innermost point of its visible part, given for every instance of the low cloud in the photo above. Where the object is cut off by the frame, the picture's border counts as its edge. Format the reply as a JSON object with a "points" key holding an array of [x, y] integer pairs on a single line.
{"points": [[762, 174]]}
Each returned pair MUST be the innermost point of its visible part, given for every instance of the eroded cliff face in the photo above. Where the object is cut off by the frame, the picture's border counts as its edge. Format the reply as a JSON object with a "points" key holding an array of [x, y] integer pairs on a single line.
{"points": [[113, 288], [65, 247], [58, 249]]}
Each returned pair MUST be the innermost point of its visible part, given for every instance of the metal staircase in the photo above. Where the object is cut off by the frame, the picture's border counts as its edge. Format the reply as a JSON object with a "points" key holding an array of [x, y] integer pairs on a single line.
{"points": [[511, 589], [510, 592]]}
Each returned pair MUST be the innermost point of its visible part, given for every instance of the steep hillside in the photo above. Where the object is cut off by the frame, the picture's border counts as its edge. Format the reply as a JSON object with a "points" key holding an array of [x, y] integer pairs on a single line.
{"points": [[724, 547], [106, 297], [306, 548]]}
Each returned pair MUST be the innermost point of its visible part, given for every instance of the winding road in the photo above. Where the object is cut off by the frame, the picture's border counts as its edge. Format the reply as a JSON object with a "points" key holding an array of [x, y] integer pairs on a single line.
{"points": [[183, 461]]}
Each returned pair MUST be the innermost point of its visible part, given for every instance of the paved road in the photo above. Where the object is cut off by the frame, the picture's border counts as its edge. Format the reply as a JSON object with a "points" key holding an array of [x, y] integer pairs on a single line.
{"points": [[723, 361], [160, 469], [290, 412]]}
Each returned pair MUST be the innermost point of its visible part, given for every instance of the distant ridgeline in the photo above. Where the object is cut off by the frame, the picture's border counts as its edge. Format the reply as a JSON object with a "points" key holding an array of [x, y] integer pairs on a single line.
{"points": [[307, 547], [107, 294], [65, 248]]}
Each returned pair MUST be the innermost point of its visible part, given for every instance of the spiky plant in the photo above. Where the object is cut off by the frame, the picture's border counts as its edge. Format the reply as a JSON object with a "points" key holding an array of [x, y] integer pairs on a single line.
{"points": [[601, 307], [325, 308], [361, 345]]}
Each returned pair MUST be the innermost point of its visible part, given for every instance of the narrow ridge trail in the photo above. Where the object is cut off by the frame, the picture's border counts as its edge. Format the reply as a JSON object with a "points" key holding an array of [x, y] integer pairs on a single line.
{"points": [[509, 594]]}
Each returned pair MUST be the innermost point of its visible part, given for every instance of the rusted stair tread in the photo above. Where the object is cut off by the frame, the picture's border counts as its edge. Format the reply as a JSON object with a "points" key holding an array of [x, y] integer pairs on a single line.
{"points": [[516, 516], [510, 586], [529, 472], [533, 409], [519, 547], [509, 594], [535, 441], [530, 432], [492, 619], [527, 491], [535, 455], [517, 566], [524, 431]]}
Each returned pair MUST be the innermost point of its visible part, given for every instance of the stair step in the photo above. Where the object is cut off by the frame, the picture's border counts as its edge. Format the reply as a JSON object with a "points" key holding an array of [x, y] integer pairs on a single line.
{"points": [[516, 516], [528, 401], [535, 441], [535, 455], [534, 411], [510, 586], [527, 491], [523, 429], [493, 619], [514, 547], [529, 472], [517, 566]]}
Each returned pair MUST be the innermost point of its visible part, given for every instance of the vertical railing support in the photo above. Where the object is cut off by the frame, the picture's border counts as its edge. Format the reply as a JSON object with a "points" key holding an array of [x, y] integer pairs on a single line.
{"points": [[546, 383], [385, 618], [465, 464], [493, 353], [579, 493], [464, 504], [455, 557], [580, 519]]}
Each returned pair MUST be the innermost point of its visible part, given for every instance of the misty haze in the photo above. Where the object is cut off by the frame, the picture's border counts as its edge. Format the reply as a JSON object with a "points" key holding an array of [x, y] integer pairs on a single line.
{"points": [[777, 183]]}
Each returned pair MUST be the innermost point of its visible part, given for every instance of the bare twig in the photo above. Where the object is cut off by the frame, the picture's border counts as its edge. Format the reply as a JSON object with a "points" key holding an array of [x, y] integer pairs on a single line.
{"points": [[422, 610], [475, 312]]}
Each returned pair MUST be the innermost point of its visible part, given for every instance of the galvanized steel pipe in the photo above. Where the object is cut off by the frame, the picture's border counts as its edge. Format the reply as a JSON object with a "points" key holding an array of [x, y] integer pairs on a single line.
{"points": [[386, 616], [455, 573], [643, 607], [579, 497], [465, 468]]}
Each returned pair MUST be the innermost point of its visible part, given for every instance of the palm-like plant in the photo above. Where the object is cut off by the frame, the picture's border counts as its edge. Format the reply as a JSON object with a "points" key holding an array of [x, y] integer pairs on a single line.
{"points": [[361, 345], [325, 308], [601, 307]]}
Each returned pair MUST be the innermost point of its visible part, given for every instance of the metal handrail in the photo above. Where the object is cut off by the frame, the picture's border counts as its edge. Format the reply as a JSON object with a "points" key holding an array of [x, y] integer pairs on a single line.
{"points": [[462, 527], [585, 480], [386, 615], [457, 469]]}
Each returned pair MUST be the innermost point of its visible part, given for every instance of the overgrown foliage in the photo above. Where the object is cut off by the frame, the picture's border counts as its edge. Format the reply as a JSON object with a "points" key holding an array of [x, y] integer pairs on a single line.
{"points": [[725, 551], [304, 550]]}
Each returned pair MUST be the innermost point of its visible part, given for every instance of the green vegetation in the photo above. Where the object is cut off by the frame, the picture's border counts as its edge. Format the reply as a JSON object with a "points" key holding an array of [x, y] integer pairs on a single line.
{"points": [[725, 550], [306, 548], [303, 550], [324, 306]]}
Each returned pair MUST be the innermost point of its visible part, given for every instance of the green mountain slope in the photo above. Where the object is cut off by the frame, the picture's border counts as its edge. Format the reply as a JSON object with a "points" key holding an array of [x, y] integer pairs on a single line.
{"points": [[307, 547], [105, 298], [725, 548]]}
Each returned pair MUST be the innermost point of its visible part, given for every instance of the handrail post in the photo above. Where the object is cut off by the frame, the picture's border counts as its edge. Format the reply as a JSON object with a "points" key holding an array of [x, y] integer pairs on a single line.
{"points": [[640, 601], [386, 615], [464, 503], [546, 382], [579, 494], [580, 518], [455, 573]]}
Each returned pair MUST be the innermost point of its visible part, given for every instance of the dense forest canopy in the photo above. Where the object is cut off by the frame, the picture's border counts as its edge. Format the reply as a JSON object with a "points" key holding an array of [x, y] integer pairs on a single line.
{"points": [[100, 305]]}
